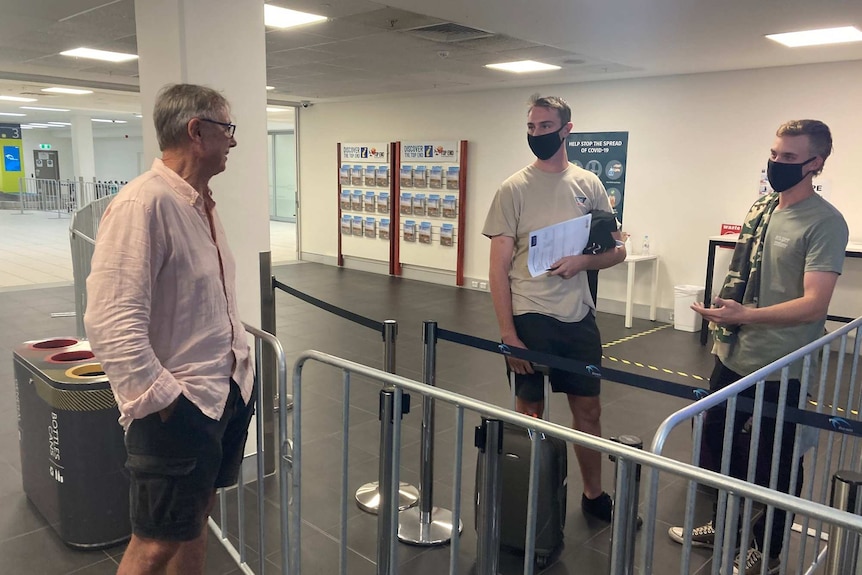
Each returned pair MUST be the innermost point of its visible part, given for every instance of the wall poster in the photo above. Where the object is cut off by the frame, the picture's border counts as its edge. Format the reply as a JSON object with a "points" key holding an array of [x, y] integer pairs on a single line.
{"points": [[605, 155]]}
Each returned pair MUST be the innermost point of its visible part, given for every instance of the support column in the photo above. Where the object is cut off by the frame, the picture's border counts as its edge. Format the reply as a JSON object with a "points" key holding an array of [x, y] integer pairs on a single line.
{"points": [[220, 44], [83, 150]]}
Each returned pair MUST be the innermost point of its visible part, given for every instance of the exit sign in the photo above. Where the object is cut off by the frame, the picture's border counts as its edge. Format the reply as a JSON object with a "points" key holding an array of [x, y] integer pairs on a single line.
{"points": [[44, 146]]}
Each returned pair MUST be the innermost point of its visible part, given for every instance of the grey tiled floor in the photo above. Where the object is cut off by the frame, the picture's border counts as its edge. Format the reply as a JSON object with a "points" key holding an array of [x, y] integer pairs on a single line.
{"points": [[28, 545]]}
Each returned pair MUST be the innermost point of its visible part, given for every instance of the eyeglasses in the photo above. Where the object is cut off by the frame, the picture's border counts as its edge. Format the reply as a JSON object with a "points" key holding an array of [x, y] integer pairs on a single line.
{"points": [[229, 129]]}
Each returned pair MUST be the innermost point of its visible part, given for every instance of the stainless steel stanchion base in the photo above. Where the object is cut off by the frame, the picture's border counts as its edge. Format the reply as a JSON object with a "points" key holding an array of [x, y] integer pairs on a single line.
{"points": [[368, 497], [437, 530]]}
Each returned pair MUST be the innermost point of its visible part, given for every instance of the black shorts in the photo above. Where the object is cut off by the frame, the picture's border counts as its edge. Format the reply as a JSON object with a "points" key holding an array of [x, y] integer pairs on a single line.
{"points": [[175, 465], [574, 340]]}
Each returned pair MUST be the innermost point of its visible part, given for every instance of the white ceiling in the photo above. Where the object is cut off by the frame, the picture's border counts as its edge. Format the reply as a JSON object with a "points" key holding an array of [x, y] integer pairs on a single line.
{"points": [[367, 48]]}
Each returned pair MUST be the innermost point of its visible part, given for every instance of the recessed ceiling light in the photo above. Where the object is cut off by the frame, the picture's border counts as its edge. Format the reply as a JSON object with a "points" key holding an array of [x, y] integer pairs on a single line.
{"points": [[818, 37], [17, 99], [11, 114], [34, 125], [74, 91], [523, 66], [26, 127], [278, 17], [138, 115], [108, 121], [271, 109], [270, 87], [44, 109], [99, 55]]}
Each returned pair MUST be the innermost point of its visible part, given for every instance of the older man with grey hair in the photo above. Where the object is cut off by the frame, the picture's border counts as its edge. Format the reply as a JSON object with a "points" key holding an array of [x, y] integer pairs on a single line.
{"points": [[162, 318]]}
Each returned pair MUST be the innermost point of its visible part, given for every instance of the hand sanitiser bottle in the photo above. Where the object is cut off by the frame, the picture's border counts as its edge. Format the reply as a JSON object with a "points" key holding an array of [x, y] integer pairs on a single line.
{"points": [[645, 246]]}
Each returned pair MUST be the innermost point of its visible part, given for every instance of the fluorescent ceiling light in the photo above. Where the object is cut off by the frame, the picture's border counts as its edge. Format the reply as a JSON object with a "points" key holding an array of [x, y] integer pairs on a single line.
{"points": [[818, 37], [44, 109], [99, 55], [17, 99], [74, 91], [11, 114], [523, 66], [26, 127], [108, 121], [60, 123], [34, 125], [270, 87], [271, 109], [278, 17]]}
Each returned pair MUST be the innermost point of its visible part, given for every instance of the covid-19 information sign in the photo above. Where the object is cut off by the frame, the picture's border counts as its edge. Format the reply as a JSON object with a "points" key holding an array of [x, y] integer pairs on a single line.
{"points": [[604, 154]]}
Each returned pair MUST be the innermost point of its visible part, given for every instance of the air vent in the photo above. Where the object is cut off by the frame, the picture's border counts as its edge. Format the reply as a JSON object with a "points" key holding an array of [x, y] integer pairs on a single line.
{"points": [[448, 32]]}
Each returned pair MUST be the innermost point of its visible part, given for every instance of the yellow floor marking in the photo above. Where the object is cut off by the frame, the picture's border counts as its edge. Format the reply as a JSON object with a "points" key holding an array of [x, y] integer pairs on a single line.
{"points": [[635, 336]]}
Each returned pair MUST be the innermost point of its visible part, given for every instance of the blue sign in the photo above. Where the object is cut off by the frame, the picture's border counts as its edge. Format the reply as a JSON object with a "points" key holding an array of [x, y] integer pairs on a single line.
{"points": [[12, 158]]}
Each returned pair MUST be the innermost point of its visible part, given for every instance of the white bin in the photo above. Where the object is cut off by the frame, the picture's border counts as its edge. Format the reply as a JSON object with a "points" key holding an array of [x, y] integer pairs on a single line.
{"points": [[684, 318]]}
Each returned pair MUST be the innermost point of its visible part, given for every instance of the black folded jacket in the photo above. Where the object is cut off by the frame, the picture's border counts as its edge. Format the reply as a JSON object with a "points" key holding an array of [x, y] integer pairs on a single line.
{"points": [[603, 225]]}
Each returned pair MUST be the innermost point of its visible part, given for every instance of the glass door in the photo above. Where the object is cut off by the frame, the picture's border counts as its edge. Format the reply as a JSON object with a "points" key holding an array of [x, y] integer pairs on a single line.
{"points": [[281, 148]]}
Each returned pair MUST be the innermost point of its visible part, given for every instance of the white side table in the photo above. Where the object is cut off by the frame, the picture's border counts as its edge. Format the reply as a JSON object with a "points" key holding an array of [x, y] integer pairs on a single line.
{"points": [[631, 262]]}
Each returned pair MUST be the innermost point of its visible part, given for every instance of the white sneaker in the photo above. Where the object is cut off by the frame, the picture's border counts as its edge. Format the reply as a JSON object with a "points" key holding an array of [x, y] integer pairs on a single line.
{"points": [[703, 536], [754, 564]]}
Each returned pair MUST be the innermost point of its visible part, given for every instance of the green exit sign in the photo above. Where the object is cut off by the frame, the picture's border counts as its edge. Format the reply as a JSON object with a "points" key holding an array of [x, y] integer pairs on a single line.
{"points": [[44, 146]]}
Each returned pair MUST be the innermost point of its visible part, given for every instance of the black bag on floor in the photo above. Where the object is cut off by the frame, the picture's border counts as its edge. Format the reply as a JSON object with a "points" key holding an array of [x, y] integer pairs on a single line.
{"points": [[515, 483]]}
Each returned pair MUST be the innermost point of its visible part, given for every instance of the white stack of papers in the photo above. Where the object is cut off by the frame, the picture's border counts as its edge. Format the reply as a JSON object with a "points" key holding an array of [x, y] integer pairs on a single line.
{"points": [[548, 245]]}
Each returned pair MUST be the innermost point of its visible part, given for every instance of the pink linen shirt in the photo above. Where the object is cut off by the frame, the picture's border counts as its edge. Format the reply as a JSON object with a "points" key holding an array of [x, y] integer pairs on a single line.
{"points": [[161, 314]]}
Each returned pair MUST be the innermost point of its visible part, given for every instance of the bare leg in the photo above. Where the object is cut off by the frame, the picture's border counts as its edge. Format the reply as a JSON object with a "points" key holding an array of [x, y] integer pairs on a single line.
{"points": [[147, 556], [191, 556], [533, 408], [586, 417]]}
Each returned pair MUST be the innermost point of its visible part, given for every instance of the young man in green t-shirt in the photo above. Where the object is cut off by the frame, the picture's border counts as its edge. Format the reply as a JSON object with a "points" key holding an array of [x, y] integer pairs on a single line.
{"points": [[794, 242]]}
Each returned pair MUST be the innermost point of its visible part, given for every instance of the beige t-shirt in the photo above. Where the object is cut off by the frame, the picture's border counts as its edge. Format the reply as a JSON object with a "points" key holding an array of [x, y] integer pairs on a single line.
{"points": [[532, 199]]}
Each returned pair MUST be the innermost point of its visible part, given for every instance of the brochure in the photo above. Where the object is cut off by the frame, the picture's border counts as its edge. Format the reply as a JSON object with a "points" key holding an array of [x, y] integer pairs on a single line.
{"points": [[409, 231], [370, 228], [370, 176], [424, 232], [383, 233], [406, 204], [370, 202], [432, 207], [383, 203], [447, 233], [549, 244]]}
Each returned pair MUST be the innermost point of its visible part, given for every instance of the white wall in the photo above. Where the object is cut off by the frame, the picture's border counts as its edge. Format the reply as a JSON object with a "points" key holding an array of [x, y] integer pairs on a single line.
{"points": [[697, 144], [60, 142], [117, 157], [116, 152]]}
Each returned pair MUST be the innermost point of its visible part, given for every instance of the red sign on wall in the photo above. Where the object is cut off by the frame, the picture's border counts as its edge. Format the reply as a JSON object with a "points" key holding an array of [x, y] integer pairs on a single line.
{"points": [[727, 229]]}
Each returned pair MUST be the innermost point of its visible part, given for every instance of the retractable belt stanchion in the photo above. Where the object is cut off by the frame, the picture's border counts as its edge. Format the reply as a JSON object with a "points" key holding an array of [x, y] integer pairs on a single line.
{"points": [[368, 495], [489, 440], [426, 524], [845, 547], [624, 527]]}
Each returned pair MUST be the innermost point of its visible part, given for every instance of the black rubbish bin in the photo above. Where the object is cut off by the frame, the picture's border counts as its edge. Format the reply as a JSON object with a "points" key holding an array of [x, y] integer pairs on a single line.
{"points": [[72, 450]]}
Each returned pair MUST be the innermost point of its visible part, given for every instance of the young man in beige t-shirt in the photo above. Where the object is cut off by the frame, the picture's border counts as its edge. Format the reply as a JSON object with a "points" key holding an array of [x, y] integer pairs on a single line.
{"points": [[552, 313]]}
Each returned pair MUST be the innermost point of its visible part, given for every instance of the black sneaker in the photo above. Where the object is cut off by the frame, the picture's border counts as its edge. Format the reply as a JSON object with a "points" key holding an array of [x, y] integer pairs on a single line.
{"points": [[602, 508]]}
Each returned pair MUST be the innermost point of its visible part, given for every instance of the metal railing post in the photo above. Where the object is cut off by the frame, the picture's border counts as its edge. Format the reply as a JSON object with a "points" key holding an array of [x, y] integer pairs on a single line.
{"points": [[266, 374], [426, 524], [845, 546], [489, 440], [368, 495], [625, 513], [386, 516]]}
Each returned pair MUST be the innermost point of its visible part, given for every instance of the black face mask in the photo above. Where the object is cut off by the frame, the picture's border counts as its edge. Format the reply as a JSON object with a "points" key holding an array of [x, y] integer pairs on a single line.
{"points": [[783, 176], [546, 145]]}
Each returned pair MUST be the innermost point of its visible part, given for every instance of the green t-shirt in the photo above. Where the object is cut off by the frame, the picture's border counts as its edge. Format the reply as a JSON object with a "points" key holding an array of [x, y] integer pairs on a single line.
{"points": [[532, 199], [809, 236]]}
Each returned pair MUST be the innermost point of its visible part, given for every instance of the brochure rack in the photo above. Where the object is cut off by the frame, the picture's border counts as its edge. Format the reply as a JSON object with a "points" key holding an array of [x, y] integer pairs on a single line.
{"points": [[412, 218]]}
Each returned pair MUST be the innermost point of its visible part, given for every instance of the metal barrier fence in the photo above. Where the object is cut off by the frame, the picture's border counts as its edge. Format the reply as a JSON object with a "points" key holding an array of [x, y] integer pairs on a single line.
{"points": [[61, 196], [392, 409], [237, 532], [82, 237], [48, 195], [837, 401], [814, 420]]}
